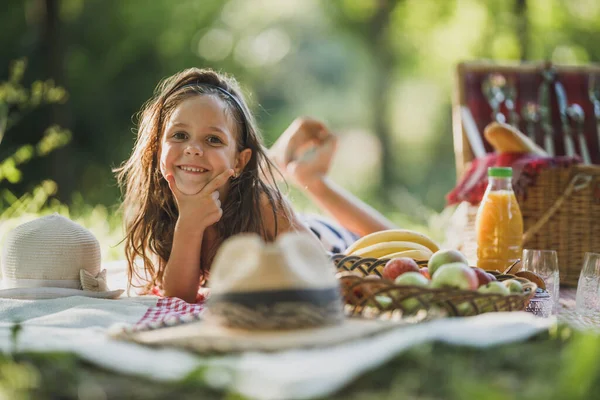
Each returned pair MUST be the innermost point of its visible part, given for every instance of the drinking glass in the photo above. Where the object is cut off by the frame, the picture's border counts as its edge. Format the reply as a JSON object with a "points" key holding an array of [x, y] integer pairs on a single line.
{"points": [[545, 264], [587, 298]]}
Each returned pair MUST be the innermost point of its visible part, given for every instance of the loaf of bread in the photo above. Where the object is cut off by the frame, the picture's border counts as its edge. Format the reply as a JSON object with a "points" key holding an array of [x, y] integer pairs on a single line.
{"points": [[506, 138]]}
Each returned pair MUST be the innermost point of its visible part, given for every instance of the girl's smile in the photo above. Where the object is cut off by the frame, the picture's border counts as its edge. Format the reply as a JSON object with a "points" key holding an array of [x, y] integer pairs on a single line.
{"points": [[192, 169]]}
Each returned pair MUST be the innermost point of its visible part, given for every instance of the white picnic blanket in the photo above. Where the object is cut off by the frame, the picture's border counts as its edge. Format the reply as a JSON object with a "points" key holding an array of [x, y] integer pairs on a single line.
{"points": [[79, 324]]}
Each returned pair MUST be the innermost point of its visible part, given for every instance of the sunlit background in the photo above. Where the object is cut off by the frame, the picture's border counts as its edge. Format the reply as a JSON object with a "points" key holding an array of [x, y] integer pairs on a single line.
{"points": [[380, 73]]}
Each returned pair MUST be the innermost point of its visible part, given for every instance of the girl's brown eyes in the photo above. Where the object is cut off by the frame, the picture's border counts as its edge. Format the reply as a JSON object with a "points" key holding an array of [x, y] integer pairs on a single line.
{"points": [[183, 136], [214, 140]]}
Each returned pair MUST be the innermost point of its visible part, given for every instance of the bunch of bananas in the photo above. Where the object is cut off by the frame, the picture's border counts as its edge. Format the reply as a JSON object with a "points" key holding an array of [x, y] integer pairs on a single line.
{"points": [[394, 243]]}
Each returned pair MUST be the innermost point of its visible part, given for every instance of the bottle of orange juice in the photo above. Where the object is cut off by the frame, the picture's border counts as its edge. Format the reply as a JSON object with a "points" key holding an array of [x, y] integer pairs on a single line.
{"points": [[499, 223]]}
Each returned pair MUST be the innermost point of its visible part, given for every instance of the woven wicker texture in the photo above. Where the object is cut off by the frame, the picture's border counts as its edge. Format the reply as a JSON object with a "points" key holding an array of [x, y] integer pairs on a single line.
{"points": [[561, 212], [365, 294], [50, 248], [365, 266]]}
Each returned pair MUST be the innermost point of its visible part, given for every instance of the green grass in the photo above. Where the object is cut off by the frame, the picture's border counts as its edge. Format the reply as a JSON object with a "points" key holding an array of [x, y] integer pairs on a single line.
{"points": [[561, 364]]}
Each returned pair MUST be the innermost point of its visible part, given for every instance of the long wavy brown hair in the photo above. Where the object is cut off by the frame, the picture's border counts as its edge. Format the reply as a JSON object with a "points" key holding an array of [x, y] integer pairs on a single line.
{"points": [[149, 208]]}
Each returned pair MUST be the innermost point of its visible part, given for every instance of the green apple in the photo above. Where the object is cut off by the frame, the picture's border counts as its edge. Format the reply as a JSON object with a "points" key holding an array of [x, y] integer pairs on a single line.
{"points": [[513, 286], [494, 287], [442, 257], [455, 275], [465, 309], [412, 278], [384, 302]]}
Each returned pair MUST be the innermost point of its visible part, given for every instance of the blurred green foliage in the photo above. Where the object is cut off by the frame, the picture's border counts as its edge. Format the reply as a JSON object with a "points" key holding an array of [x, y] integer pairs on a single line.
{"points": [[379, 73], [17, 103], [554, 365]]}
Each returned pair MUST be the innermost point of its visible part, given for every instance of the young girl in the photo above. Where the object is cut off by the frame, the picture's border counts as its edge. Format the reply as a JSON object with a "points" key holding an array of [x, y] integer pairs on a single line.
{"points": [[199, 174]]}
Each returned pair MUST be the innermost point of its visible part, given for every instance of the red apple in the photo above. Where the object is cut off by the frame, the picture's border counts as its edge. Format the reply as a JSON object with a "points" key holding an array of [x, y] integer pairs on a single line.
{"points": [[364, 290], [482, 276], [425, 272], [347, 280], [492, 277], [397, 266], [455, 275]]}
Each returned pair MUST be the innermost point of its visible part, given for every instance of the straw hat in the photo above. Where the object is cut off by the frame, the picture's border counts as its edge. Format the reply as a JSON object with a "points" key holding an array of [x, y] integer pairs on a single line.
{"points": [[266, 296], [52, 257]]}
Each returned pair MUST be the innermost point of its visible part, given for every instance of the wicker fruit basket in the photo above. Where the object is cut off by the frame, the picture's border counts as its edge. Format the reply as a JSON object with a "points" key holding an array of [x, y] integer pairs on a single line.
{"points": [[366, 295]]}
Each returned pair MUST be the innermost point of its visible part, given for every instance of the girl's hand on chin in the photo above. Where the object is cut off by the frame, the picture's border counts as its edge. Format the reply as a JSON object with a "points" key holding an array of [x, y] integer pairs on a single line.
{"points": [[203, 209]]}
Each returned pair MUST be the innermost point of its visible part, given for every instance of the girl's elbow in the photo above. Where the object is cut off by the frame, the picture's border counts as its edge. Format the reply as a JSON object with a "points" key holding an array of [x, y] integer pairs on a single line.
{"points": [[185, 295]]}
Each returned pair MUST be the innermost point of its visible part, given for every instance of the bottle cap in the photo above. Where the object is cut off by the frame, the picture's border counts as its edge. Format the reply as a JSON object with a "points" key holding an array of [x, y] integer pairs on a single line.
{"points": [[500, 172]]}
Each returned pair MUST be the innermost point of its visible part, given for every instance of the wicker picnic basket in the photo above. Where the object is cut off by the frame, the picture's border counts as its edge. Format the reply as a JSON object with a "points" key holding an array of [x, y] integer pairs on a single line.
{"points": [[362, 294], [561, 207]]}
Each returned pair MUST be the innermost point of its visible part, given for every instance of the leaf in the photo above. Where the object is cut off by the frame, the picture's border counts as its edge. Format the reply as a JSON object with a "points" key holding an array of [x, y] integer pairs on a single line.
{"points": [[54, 138], [23, 154], [17, 70], [9, 171]]}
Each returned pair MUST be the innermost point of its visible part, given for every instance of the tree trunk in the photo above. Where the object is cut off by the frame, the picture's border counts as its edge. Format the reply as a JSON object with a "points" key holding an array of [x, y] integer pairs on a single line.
{"points": [[383, 59], [52, 52], [522, 28]]}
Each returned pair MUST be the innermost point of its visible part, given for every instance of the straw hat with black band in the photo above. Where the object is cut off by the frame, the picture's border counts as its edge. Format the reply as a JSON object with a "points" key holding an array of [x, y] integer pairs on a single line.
{"points": [[266, 297]]}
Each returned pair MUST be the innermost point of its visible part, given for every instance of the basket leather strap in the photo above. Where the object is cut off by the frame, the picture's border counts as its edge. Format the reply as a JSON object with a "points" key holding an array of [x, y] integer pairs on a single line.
{"points": [[577, 183]]}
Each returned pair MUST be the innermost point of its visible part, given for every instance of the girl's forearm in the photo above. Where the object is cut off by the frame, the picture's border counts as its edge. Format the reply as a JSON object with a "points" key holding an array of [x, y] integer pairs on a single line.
{"points": [[182, 273], [351, 212]]}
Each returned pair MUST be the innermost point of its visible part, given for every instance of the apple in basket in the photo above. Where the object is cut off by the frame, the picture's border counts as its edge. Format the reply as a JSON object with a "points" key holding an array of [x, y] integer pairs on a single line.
{"points": [[482, 277], [398, 266], [365, 289], [349, 279], [514, 286], [455, 275], [411, 278], [494, 287], [443, 257], [491, 276]]}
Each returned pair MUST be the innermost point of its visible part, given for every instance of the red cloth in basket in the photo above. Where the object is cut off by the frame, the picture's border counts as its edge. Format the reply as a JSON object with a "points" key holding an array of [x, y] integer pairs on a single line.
{"points": [[526, 167]]}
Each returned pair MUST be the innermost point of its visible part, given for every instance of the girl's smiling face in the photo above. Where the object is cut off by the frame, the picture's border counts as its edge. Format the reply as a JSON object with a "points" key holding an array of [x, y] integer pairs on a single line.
{"points": [[199, 142]]}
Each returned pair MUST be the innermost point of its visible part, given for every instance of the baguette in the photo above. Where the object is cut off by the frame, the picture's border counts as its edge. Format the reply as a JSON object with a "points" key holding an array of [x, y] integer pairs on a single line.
{"points": [[506, 138]]}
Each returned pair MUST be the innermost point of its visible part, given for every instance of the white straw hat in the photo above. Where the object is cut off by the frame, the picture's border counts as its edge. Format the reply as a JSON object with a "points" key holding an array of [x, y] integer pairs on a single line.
{"points": [[52, 257], [266, 297]]}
